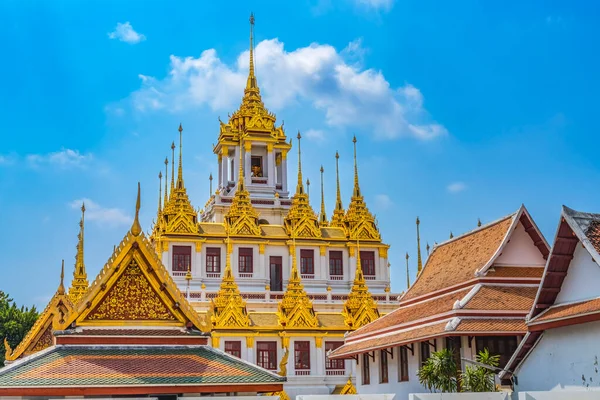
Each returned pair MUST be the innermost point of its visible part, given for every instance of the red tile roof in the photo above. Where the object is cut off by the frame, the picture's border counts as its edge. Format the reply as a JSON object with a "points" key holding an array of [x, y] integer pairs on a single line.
{"points": [[568, 311], [502, 298], [457, 260], [492, 325], [516, 272]]}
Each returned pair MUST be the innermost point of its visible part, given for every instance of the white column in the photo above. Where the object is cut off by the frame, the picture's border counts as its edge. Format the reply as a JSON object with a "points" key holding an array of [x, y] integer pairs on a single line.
{"points": [[324, 269], [351, 267], [224, 167], [261, 270], [247, 167], [220, 179], [320, 360], [236, 161], [284, 174], [270, 166], [197, 269]]}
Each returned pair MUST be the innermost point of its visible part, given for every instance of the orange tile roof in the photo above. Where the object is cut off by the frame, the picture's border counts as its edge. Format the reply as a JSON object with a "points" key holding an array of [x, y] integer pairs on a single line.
{"points": [[413, 312], [396, 339], [516, 272], [457, 260], [568, 310], [502, 298], [492, 325], [593, 234]]}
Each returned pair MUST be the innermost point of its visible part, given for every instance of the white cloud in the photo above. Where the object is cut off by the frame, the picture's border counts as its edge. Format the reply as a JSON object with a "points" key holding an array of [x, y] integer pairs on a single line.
{"points": [[65, 158], [348, 95], [103, 216], [7, 159], [456, 187], [383, 5], [126, 33], [383, 201], [315, 135]]}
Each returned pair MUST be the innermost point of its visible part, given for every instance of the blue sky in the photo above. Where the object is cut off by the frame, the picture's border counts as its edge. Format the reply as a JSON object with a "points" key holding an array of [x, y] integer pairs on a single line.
{"points": [[463, 110]]}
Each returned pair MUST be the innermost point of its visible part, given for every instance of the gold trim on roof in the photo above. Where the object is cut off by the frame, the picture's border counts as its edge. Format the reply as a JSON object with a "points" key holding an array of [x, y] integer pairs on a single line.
{"points": [[360, 308]]}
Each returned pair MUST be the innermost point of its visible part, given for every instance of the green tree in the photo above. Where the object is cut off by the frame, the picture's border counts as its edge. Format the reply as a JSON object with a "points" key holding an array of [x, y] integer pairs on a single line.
{"points": [[478, 378], [439, 372], [15, 322]]}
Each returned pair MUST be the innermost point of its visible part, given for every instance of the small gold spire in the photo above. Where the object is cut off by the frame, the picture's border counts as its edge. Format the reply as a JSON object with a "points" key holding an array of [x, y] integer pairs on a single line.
{"points": [[308, 188], [159, 191], [251, 83], [478, 222], [356, 186], [136, 228], [61, 286], [172, 166], [323, 216], [180, 169], [407, 274], [166, 180], [210, 179], [451, 235], [299, 186], [80, 283], [419, 261], [338, 201]]}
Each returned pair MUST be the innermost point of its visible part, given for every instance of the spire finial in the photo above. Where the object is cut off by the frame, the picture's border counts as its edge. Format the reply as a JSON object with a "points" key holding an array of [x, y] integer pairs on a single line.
{"points": [[407, 274], [451, 235], [166, 179], [210, 178], [159, 191], [323, 216], [308, 188], [172, 166], [427, 248], [478, 222], [299, 186], [419, 260], [251, 83], [61, 286], [136, 228], [180, 169], [338, 200], [356, 187]]}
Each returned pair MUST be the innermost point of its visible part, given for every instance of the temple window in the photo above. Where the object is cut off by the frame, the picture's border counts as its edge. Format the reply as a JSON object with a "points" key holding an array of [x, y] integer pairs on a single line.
{"points": [[276, 278], [256, 166], [213, 262], [425, 352], [182, 256], [336, 265], [366, 372], [233, 347], [383, 366], [333, 367], [307, 263], [266, 355], [504, 346], [367, 262], [453, 344], [245, 262], [302, 357], [402, 364]]}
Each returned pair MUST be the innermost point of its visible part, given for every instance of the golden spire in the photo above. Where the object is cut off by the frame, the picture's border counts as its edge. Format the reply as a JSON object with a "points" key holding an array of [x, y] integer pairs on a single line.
{"points": [[228, 307], [61, 286], [360, 308], [323, 216], [359, 221], [172, 167], [419, 261], [356, 186], [159, 191], [180, 169], [166, 179], [242, 217], [299, 186], [136, 228], [337, 219], [407, 274], [251, 82], [80, 284]]}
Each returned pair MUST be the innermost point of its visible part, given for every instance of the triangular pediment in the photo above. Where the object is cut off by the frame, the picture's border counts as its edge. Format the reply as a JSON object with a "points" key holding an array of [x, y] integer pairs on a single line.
{"points": [[134, 288]]}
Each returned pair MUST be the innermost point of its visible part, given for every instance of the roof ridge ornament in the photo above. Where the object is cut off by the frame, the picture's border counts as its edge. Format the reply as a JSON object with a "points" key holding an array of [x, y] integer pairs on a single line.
{"points": [[323, 216], [337, 219], [79, 284]]}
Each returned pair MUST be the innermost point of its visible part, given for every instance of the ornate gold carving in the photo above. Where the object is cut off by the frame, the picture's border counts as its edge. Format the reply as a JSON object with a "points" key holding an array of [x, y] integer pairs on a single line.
{"points": [[322, 250], [45, 341], [295, 308], [360, 308], [283, 362], [249, 342], [7, 349], [248, 146], [318, 342], [198, 247], [269, 147], [284, 154], [383, 252], [261, 248], [351, 250], [132, 298], [228, 307], [216, 341], [348, 387]]}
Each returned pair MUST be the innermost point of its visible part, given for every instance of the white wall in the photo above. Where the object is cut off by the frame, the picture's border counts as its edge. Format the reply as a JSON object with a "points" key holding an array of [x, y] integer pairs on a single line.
{"points": [[520, 250], [460, 396], [561, 395], [583, 278], [564, 358]]}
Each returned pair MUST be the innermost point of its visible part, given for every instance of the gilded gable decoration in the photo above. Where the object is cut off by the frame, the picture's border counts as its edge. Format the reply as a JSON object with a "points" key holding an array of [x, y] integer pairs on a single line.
{"points": [[359, 221], [295, 308], [80, 284], [242, 217], [359, 308], [301, 220], [348, 387], [229, 308]]}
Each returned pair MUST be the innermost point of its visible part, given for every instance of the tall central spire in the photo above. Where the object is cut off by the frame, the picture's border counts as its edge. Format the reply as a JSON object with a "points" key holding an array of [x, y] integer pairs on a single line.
{"points": [[356, 186], [251, 83], [180, 169], [323, 216], [80, 283], [337, 219]]}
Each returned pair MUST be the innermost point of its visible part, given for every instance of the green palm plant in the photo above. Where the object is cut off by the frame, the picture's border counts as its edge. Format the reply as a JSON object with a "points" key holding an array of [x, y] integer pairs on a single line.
{"points": [[439, 372], [478, 378]]}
